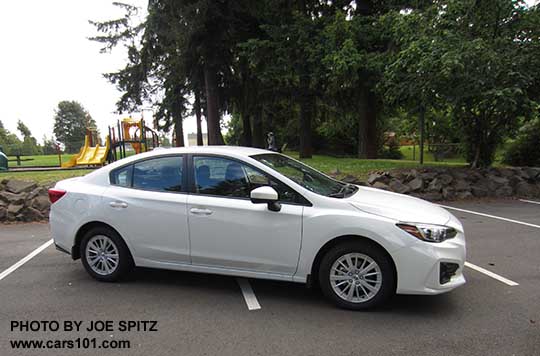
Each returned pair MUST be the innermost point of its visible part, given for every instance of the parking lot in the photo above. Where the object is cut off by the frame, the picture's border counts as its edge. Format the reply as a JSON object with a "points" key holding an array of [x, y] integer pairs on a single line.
{"points": [[496, 313]]}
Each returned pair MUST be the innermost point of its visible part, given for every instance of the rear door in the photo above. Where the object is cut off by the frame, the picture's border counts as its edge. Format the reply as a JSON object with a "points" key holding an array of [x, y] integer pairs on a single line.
{"points": [[147, 202]]}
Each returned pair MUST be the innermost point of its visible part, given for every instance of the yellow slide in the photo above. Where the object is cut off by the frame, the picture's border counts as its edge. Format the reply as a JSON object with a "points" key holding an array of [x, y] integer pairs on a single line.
{"points": [[89, 155]]}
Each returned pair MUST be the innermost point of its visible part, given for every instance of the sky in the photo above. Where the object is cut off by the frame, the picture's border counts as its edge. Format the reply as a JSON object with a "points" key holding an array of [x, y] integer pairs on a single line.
{"points": [[46, 58]]}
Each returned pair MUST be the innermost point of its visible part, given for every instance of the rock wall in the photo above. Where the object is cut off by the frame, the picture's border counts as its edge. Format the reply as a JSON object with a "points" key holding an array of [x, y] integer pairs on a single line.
{"points": [[27, 201], [23, 201], [459, 183]]}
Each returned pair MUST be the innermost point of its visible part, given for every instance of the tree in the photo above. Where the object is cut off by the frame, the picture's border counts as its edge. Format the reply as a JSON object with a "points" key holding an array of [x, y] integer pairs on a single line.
{"points": [[23, 129], [10, 142], [472, 55], [29, 145], [182, 49], [49, 146], [71, 121]]}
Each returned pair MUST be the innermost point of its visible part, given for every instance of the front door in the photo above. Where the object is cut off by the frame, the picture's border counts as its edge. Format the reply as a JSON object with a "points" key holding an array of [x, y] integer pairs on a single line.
{"points": [[227, 230]]}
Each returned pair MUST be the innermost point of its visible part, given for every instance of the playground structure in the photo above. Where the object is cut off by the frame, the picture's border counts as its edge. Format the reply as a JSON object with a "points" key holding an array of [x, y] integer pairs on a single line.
{"points": [[90, 155], [128, 132], [132, 132]]}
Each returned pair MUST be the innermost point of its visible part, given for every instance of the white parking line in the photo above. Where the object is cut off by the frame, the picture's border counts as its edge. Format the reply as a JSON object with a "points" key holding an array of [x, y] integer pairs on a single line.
{"points": [[249, 296], [530, 201], [21, 262], [491, 274], [491, 216]]}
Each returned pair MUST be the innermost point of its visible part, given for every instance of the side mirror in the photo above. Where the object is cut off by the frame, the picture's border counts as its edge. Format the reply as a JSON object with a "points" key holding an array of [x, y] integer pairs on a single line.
{"points": [[266, 195]]}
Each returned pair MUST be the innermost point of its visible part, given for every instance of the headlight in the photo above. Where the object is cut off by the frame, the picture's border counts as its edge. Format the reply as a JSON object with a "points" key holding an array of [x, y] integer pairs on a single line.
{"points": [[427, 232]]}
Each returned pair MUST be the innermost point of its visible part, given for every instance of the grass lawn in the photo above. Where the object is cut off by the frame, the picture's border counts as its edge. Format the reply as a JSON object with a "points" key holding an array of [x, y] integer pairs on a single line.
{"points": [[408, 151], [43, 160], [361, 167], [346, 166], [43, 177]]}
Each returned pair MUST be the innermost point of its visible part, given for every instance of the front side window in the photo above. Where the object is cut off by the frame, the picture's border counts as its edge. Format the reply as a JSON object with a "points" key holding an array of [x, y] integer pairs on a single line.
{"points": [[162, 174], [306, 176], [225, 177]]}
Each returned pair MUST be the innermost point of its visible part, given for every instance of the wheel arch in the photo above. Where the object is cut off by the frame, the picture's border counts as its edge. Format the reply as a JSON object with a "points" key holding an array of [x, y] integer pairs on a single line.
{"points": [[314, 272], [75, 250]]}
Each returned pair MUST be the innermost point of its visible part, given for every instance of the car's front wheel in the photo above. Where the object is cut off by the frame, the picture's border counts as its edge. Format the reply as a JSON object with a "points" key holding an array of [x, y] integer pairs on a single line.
{"points": [[105, 255], [357, 275]]}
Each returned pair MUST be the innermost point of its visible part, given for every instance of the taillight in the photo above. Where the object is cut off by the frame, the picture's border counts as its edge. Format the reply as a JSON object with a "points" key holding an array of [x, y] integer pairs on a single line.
{"points": [[56, 194]]}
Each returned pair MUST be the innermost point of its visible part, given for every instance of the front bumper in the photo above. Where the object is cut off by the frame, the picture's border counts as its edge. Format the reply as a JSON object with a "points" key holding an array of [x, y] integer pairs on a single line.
{"points": [[419, 266]]}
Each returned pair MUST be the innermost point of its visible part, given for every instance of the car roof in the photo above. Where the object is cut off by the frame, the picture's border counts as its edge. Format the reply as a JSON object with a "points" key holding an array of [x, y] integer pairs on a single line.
{"points": [[101, 175], [236, 150]]}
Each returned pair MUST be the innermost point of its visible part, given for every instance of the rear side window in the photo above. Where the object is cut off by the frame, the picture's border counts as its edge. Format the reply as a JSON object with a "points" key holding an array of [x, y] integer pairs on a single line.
{"points": [[122, 176], [159, 174]]}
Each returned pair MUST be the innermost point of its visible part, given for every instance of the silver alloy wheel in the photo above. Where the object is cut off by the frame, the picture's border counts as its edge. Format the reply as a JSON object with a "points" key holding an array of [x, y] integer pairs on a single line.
{"points": [[355, 277], [102, 255]]}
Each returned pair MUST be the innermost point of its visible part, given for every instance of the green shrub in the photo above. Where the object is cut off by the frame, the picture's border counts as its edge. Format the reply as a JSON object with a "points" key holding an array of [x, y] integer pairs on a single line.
{"points": [[391, 151], [525, 150]]}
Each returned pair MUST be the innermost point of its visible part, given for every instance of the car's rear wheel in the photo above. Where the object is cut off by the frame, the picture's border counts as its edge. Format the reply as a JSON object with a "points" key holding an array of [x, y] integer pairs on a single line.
{"points": [[105, 255], [357, 275]]}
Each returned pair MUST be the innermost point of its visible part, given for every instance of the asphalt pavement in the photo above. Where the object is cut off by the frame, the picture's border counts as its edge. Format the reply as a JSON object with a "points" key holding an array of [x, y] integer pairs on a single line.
{"points": [[179, 313]]}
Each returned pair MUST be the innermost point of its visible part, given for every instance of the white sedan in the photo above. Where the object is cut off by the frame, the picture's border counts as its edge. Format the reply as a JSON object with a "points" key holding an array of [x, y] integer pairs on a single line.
{"points": [[254, 213]]}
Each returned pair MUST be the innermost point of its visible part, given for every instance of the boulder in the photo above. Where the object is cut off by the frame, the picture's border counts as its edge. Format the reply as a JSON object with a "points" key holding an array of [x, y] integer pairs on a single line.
{"points": [[446, 179], [37, 191], [14, 209], [448, 193], [515, 180], [506, 172], [430, 196], [11, 198], [3, 213], [41, 203], [31, 214], [428, 175], [19, 186], [459, 174], [498, 180], [524, 189], [532, 173], [378, 177], [398, 187], [435, 185], [479, 191], [464, 195], [461, 185], [504, 191], [416, 184], [411, 175], [380, 185], [350, 179]]}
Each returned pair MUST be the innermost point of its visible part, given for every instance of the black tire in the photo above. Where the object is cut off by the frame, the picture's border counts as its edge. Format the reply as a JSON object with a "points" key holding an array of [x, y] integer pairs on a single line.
{"points": [[125, 262], [387, 287]]}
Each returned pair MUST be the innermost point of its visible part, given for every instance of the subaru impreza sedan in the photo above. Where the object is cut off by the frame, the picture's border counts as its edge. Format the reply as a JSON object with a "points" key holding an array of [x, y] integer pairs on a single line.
{"points": [[249, 212]]}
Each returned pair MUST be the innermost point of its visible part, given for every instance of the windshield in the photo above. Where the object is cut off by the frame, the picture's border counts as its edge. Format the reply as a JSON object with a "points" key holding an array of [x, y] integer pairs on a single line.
{"points": [[306, 176]]}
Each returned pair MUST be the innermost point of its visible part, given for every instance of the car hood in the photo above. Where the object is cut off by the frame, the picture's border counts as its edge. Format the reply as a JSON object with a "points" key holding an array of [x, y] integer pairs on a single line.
{"points": [[398, 207]]}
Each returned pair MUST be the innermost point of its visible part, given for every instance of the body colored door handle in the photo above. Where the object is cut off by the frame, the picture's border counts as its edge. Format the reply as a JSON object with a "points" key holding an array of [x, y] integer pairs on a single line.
{"points": [[198, 211], [118, 204]]}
